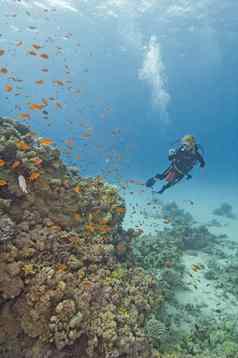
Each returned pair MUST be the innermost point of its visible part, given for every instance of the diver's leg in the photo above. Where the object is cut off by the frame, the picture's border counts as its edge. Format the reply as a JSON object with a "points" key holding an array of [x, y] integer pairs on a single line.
{"points": [[168, 185], [164, 187], [151, 181], [177, 179], [164, 174]]}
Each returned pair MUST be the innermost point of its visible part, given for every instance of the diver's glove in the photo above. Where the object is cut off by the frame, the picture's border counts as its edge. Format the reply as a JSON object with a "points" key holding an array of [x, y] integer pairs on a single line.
{"points": [[171, 154], [150, 182], [188, 177]]}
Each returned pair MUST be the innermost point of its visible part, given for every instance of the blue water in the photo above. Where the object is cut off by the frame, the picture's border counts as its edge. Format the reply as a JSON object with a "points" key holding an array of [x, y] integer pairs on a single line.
{"points": [[152, 72], [137, 76]]}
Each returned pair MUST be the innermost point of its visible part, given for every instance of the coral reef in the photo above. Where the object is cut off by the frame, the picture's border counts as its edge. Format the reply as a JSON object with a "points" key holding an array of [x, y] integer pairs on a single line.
{"points": [[67, 288], [156, 252], [175, 215], [7, 228], [157, 331], [161, 254], [177, 329], [214, 223], [194, 237], [212, 338], [225, 210], [224, 273], [73, 283]]}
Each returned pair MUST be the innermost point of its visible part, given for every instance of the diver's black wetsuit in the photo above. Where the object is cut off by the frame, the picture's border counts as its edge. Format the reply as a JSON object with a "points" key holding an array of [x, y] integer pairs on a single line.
{"points": [[182, 162]]}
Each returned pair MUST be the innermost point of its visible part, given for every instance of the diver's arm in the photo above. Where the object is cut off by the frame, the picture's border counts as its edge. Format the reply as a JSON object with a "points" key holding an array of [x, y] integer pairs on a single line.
{"points": [[172, 154], [200, 159]]}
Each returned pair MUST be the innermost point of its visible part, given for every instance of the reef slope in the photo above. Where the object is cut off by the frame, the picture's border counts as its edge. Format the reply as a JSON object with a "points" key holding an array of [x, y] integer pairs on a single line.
{"points": [[68, 287]]}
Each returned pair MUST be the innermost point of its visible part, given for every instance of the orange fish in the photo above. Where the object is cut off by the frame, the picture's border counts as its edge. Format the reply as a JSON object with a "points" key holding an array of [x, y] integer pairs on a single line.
{"points": [[58, 82], [24, 115], [61, 268], [3, 71], [34, 176], [37, 106], [37, 161], [77, 189], [78, 157], [54, 228], [16, 164], [22, 145], [2, 52], [89, 228], [120, 210], [87, 284], [46, 141], [3, 182], [36, 47], [2, 163], [39, 82], [44, 56], [8, 88]]}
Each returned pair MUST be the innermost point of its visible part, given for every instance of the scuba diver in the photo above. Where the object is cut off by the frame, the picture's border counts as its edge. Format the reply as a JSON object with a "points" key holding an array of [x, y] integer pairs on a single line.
{"points": [[183, 159]]}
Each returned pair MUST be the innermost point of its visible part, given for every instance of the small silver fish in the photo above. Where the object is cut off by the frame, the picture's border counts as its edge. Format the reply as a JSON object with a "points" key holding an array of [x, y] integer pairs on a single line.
{"points": [[22, 184]]}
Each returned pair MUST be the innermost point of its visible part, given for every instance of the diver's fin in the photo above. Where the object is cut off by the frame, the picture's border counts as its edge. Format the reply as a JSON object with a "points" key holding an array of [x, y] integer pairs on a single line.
{"points": [[150, 182]]}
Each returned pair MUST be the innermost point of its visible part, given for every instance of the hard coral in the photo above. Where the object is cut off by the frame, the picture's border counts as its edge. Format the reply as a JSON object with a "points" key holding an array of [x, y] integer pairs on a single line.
{"points": [[7, 228], [62, 261]]}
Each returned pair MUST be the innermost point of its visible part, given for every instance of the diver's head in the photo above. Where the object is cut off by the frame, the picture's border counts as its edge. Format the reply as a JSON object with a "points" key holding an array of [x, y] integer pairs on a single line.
{"points": [[189, 141]]}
